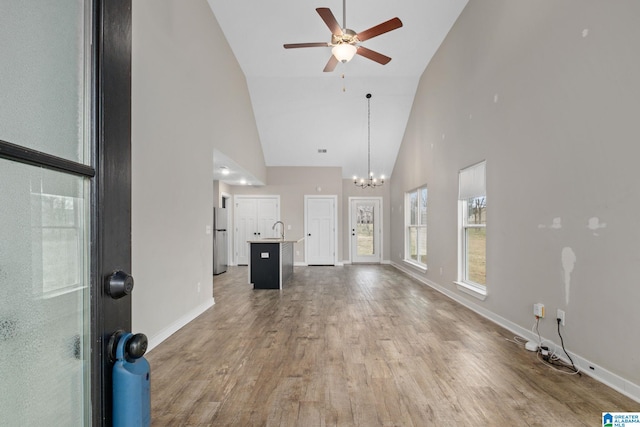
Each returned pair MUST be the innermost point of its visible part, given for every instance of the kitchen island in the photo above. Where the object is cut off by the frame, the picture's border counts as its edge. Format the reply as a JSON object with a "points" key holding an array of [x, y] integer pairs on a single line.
{"points": [[270, 262]]}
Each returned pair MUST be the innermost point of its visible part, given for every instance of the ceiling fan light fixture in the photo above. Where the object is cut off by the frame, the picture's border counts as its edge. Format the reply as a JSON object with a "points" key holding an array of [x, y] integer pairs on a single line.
{"points": [[344, 52]]}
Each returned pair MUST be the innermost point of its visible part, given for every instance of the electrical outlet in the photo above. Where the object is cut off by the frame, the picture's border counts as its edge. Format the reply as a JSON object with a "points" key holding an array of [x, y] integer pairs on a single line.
{"points": [[560, 315], [538, 310], [198, 287]]}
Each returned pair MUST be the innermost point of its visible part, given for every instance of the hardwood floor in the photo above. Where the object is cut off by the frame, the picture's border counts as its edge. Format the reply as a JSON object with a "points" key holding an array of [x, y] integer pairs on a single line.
{"points": [[358, 346]]}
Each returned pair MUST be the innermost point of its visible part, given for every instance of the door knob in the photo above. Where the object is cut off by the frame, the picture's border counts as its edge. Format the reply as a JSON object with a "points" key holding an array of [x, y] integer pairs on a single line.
{"points": [[119, 284], [135, 347]]}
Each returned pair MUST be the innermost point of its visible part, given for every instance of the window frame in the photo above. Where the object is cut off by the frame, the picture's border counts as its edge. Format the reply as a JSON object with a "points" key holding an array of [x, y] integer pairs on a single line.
{"points": [[420, 225], [463, 282]]}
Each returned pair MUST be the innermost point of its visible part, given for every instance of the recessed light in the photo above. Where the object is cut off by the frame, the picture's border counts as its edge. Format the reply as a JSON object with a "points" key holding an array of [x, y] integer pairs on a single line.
{"points": [[224, 170]]}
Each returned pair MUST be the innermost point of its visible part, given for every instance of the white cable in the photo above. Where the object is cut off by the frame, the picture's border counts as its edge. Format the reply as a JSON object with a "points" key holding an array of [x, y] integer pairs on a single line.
{"points": [[577, 371], [518, 340]]}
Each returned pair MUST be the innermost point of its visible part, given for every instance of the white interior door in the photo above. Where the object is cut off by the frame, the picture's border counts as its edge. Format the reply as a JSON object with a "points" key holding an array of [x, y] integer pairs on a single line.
{"points": [[268, 213], [245, 228], [320, 230], [365, 228]]}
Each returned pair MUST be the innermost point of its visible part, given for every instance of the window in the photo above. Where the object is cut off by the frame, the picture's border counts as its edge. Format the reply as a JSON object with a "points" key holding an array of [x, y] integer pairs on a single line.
{"points": [[416, 227], [472, 270]]}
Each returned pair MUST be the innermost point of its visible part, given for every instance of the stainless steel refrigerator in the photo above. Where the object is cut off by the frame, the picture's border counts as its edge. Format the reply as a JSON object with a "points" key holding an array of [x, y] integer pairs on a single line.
{"points": [[220, 240]]}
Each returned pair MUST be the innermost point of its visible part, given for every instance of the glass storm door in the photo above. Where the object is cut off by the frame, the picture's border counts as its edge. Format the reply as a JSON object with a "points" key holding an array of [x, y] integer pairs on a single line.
{"points": [[51, 315], [365, 231]]}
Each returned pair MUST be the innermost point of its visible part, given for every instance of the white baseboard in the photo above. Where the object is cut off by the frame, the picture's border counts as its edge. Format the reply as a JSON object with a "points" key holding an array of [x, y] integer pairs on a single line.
{"points": [[348, 262], [155, 340], [599, 373], [304, 264]]}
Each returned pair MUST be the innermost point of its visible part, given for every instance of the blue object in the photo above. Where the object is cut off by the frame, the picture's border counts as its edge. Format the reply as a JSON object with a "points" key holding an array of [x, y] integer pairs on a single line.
{"points": [[131, 388]]}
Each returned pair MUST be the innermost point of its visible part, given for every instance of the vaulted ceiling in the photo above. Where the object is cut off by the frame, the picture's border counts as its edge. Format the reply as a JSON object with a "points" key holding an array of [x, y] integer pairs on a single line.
{"points": [[300, 109]]}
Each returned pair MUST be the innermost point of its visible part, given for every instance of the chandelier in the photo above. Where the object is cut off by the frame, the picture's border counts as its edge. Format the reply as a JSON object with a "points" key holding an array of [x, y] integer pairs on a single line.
{"points": [[369, 181]]}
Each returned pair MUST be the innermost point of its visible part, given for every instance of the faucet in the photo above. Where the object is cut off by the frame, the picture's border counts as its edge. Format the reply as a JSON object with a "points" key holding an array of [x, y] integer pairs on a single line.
{"points": [[274, 227]]}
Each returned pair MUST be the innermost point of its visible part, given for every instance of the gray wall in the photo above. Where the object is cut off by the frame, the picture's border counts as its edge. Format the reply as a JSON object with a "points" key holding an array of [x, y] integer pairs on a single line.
{"points": [[548, 93], [189, 97]]}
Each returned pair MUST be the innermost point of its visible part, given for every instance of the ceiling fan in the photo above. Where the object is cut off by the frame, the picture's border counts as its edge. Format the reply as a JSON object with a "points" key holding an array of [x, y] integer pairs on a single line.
{"points": [[345, 42]]}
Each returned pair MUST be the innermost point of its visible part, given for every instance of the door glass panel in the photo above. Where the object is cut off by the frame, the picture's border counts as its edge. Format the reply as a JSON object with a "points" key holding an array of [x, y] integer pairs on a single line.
{"points": [[44, 308], [364, 230], [43, 73]]}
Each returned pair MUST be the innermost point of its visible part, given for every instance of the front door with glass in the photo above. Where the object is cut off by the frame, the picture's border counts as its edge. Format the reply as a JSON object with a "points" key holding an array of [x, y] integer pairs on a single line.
{"points": [[365, 228], [53, 125]]}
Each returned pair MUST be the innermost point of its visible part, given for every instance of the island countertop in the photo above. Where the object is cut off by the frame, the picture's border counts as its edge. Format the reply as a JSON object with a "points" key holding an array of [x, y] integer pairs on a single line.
{"points": [[275, 240]]}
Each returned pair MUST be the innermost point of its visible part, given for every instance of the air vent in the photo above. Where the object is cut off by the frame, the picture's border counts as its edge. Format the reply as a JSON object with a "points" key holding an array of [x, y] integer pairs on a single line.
{"points": [[322, 150]]}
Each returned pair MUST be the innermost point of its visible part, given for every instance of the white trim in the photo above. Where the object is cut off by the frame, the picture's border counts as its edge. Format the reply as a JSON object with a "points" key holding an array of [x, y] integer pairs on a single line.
{"points": [[378, 220], [280, 250], [231, 236], [174, 327], [595, 371], [416, 265], [475, 291], [406, 256]]}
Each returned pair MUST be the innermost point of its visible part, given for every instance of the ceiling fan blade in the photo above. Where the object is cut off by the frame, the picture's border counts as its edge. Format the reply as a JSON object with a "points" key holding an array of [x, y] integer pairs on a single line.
{"points": [[296, 45], [331, 65], [385, 27], [328, 18], [373, 55]]}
